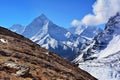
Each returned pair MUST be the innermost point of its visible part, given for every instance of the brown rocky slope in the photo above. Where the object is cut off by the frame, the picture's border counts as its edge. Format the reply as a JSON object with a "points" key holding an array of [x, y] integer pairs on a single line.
{"points": [[21, 59]]}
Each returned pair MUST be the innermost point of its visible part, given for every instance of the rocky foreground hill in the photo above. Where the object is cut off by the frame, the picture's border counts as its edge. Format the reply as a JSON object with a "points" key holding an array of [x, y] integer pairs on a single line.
{"points": [[21, 59]]}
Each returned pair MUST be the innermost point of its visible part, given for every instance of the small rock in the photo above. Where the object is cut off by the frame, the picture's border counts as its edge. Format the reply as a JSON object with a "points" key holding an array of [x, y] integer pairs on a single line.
{"points": [[21, 70]]}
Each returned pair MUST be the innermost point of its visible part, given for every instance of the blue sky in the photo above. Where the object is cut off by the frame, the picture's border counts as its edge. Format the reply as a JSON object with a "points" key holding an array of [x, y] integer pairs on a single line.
{"points": [[61, 12]]}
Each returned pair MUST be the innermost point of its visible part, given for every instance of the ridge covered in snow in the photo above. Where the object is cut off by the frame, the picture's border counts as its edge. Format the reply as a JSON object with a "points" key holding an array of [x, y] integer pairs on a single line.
{"points": [[102, 54], [17, 28], [87, 31]]}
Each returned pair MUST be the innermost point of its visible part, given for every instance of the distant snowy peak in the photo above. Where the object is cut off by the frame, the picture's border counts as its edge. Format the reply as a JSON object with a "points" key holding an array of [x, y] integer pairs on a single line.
{"points": [[41, 26], [87, 31], [32, 28], [36, 25], [91, 31], [42, 17], [17, 28], [77, 30]]}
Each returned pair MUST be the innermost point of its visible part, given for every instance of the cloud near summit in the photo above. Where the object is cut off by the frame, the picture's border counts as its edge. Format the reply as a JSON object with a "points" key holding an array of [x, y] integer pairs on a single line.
{"points": [[102, 11]]}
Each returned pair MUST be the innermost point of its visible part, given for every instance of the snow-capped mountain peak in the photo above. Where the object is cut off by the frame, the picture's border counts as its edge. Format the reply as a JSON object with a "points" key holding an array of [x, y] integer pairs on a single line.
{"points": [[87, 31], [17, 28], [41, 18], [77, 29], [91, 31], [35, 26]]}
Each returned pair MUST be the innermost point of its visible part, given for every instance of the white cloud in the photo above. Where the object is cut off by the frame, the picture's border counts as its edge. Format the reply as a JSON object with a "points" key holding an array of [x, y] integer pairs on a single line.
{"points": [[76, 23], [103, 10]]}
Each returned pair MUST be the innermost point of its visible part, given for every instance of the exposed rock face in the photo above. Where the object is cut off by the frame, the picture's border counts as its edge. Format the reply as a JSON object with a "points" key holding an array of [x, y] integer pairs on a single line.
{"points": [[20, 70], [21, 59]]}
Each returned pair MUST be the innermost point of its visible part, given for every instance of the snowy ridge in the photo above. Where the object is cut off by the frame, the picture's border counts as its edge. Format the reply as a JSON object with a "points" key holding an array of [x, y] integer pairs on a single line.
{"points": [[83, 52], [17, 28], [87, 31], [101, 55], [91, 31], [111, 48], [100, 71], [106, 43], [110, 66], [77, 30]]}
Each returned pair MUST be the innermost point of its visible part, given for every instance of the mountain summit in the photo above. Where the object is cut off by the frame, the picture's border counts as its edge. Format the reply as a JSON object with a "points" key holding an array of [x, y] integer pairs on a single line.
{"points": [[42, 26], [35, 26], [43, 17]]}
